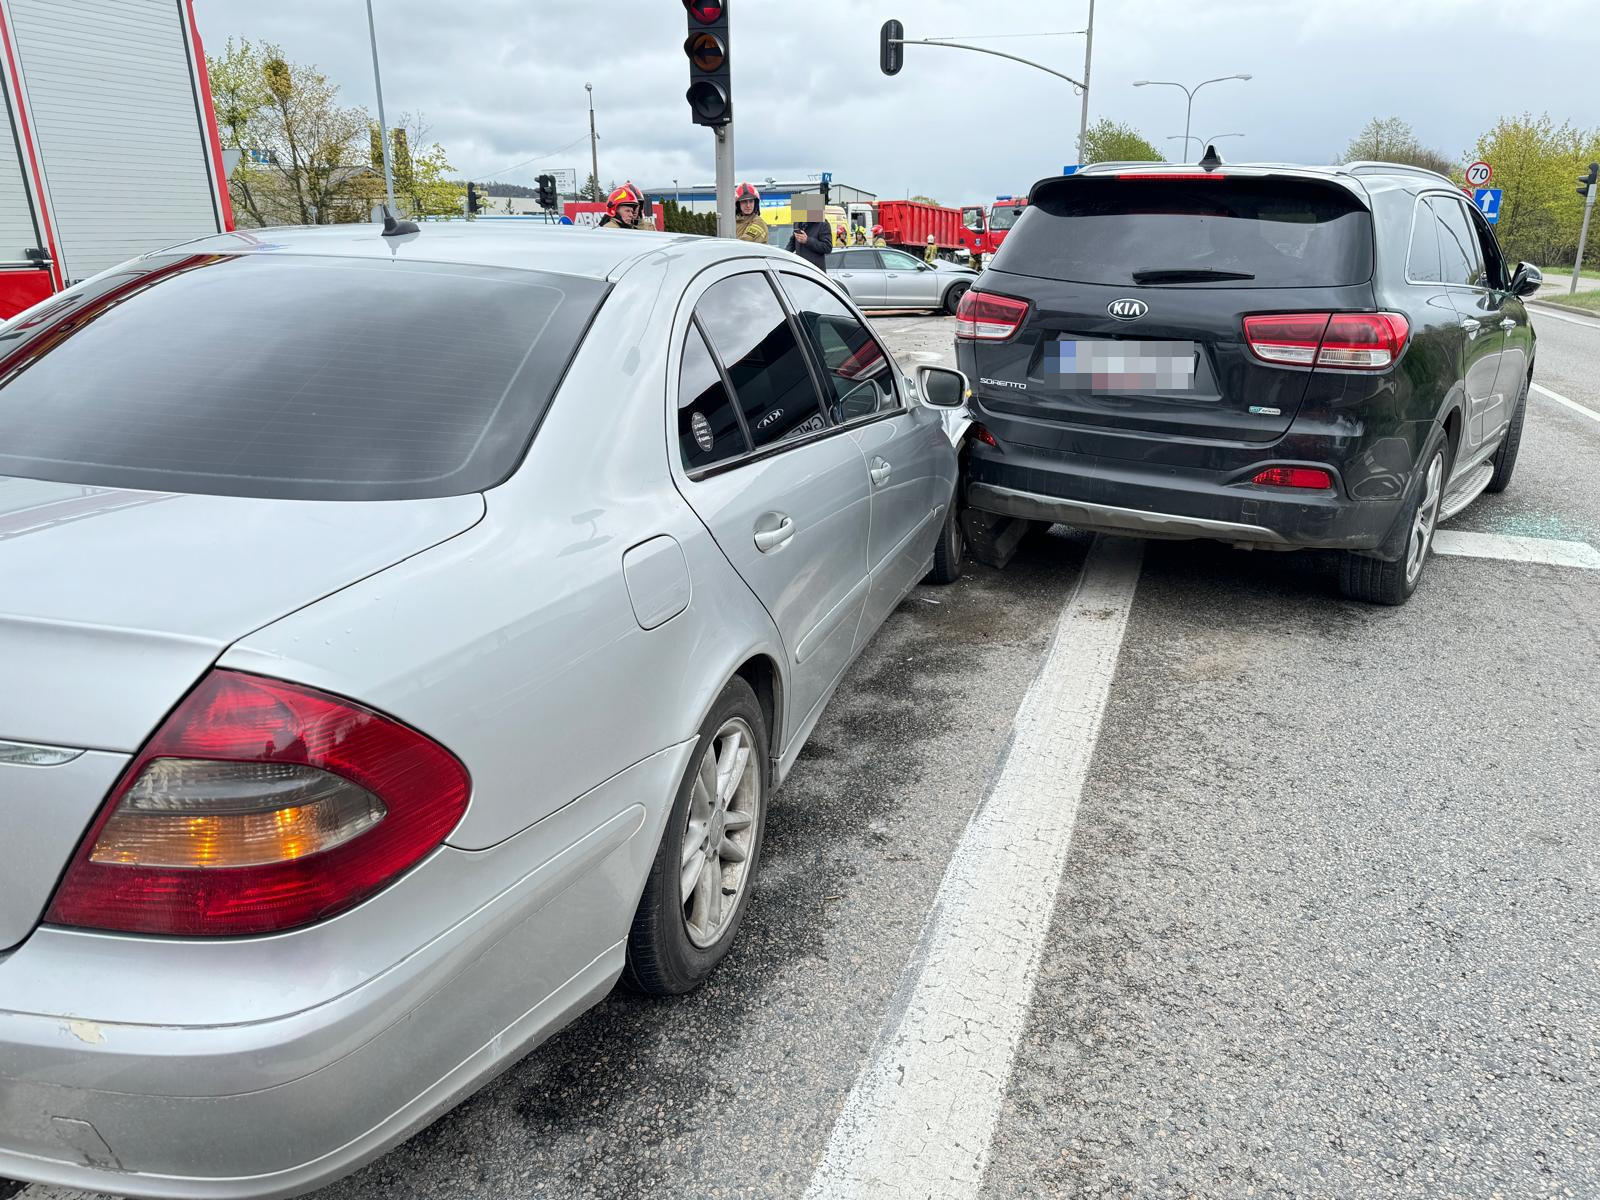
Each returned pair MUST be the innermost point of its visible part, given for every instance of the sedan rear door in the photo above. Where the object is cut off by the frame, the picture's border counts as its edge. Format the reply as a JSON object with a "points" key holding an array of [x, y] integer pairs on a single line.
{"points": [[782, 489], [861, 274], [910, 461]]}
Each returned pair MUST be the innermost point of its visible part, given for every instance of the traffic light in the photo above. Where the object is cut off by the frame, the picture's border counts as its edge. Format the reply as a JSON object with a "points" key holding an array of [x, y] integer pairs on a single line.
{"points": [[473, 200], [1587, 182], [547, 192], [710, 93], [891, 54]]}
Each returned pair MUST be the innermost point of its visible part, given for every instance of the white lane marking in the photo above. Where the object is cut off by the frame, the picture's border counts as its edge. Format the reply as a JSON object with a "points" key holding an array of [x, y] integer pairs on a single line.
{"points": [[1516, 549], [922, 1114], [1560, 399], [1543, 311]]}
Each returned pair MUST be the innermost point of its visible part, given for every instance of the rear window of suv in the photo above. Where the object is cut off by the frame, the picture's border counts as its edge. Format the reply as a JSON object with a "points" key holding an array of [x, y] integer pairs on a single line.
{"points": [[1236, 233], [288, 377]]}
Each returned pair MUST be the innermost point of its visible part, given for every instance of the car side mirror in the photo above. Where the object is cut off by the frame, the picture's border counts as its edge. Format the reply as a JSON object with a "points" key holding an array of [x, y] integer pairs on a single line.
{"points": [[942, 388], [1526, 279]]}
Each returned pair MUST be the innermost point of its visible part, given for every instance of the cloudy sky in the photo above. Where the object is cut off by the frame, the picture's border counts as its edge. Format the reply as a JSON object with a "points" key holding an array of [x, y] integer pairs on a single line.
{"points": [[502, 81]]}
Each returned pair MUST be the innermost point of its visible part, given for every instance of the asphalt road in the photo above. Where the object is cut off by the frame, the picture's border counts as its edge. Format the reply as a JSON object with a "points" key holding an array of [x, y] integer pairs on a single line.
{"points": [[1326, 926]]}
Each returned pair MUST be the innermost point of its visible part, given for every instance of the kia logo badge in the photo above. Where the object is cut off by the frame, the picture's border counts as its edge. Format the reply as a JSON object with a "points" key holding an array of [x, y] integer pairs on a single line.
{"points": [[1127, 309]]}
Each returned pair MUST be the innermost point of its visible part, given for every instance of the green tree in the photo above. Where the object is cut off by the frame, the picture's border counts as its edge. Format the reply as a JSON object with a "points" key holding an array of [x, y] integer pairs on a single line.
{"points": [[1389, 139], [1114, 141], [924, 200], [311, 160], [591, 189], [1536, 165]]}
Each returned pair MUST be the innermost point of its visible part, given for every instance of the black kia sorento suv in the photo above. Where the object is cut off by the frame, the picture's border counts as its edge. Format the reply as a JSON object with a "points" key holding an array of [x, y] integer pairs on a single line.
{"points": [[1271, 356]]}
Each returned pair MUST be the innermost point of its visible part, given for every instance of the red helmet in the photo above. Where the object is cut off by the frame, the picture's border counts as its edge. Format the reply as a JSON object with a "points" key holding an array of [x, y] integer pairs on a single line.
{"points": [[876, 230], [626, 194], [746, 191]]}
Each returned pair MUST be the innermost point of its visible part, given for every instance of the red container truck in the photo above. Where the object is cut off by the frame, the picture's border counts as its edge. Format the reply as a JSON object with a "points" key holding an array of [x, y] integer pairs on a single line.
{"points": [[908, 225], [983, 230]]}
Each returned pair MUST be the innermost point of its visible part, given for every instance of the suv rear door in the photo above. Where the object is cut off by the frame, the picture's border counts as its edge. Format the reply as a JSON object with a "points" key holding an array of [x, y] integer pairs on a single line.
{"points": [[1161, 270]]}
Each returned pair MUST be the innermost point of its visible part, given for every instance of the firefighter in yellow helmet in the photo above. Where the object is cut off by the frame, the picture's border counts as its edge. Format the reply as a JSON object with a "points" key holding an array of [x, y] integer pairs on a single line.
{"points": [[932, 252], [624, 209], [748, 225]]}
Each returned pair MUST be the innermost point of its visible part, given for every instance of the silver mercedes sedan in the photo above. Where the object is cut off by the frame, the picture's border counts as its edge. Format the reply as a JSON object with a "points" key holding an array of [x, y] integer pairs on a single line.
{"points": [[403, 638]]}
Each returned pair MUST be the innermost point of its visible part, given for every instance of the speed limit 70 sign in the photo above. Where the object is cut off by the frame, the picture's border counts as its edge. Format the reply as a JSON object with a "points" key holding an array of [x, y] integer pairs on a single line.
{"points": [[1478, 174]]}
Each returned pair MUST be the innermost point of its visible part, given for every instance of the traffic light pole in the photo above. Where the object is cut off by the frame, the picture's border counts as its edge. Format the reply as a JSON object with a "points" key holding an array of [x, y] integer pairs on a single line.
{"points": [[1588, 211], [725, 181]]}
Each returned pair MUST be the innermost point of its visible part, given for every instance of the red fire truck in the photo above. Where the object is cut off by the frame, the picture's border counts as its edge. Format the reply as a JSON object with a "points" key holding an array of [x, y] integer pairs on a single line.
{"points": [[108, 140], [983, 230]]}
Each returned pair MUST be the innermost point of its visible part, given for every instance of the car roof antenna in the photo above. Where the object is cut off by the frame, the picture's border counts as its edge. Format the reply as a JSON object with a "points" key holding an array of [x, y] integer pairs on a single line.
{"points": [[393, 228], [1212, 159]]}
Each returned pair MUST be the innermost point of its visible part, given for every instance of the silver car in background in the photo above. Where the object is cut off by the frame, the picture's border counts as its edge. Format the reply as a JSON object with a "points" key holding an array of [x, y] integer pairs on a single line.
{"points": [[403, 638], [887, 278]]}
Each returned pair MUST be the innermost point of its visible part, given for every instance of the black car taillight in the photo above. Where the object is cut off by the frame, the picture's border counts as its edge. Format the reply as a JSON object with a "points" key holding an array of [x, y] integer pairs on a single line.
{"points": [[1346, 341], [985, 317]]}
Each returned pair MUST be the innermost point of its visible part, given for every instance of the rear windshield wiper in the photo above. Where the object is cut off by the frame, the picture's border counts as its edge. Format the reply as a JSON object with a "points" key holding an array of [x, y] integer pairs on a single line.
{"points": [[1188, 275]]}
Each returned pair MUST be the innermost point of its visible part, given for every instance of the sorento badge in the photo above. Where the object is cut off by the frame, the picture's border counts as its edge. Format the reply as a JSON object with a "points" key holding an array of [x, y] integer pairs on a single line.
{"points": [[1127, 309]]}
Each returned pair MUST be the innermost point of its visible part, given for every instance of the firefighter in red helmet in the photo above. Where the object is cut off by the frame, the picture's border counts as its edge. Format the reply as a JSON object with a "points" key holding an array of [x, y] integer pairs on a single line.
{"points": [[624, 208], [748, 225]]}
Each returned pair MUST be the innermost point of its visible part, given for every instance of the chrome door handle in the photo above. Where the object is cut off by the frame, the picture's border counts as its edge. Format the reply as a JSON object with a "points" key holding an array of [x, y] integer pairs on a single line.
{"points": [[1508, 323], [770, 539], [1471, 327], [879, 471]]}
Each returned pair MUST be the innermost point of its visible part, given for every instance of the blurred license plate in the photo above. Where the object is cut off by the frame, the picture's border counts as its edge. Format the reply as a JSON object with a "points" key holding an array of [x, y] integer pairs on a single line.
{"points": [[1087, 365]]}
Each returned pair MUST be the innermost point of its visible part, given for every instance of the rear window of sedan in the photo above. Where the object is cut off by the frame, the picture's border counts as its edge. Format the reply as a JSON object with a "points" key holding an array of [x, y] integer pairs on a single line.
{"points": [[288, 377], [1220, 232]]}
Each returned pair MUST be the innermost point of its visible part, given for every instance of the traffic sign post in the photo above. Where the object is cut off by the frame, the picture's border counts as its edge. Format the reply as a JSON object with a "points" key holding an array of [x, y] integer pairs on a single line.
{"points": [[1487, 201], [1479, 174]]}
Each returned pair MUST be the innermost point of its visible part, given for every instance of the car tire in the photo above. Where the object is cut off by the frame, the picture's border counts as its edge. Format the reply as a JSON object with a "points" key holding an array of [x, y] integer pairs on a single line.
{"points": [[676, 941], [953, 294], [1505, 458], [951, 547], [1376, 581]]}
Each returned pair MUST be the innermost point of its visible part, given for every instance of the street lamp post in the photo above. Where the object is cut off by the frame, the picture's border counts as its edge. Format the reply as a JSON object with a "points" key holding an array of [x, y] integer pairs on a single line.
{"points": [[1216, 137], [1188, 112], [594, 145], [383, 125]]}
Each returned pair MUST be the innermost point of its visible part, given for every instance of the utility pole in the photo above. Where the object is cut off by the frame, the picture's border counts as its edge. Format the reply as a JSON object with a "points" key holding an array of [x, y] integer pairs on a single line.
{"points": [[726, 225], [383, 125], [594, 144], [1083, 120], [1587, 184]]}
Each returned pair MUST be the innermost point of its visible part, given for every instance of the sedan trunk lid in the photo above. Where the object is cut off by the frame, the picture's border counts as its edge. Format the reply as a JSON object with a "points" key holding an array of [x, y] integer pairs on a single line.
{"points": [[113, 603]]}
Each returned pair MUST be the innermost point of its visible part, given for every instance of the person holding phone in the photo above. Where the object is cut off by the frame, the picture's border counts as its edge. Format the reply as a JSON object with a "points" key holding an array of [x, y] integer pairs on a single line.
{"points": [[812, 239]]}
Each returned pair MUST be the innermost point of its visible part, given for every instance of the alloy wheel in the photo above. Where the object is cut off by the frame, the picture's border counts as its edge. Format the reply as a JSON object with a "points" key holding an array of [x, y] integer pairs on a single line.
{"points": [[724, 807], [1426, 520]]}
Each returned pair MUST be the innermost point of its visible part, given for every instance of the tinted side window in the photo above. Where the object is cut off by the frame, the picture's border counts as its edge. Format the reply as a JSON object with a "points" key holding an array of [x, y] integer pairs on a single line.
{"points": [[1422, 263], [708, 428], [896, 260], [858, 373], [857, 260], [1461, 259], [752, 334]]}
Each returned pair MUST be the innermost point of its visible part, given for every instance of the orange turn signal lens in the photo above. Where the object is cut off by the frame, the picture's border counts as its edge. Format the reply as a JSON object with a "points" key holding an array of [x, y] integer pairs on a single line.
{"points": [[195, 813]]}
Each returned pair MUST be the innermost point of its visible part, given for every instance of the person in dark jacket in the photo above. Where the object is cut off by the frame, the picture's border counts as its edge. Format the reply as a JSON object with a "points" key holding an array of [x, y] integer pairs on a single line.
{"points": [[812, 239]]}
